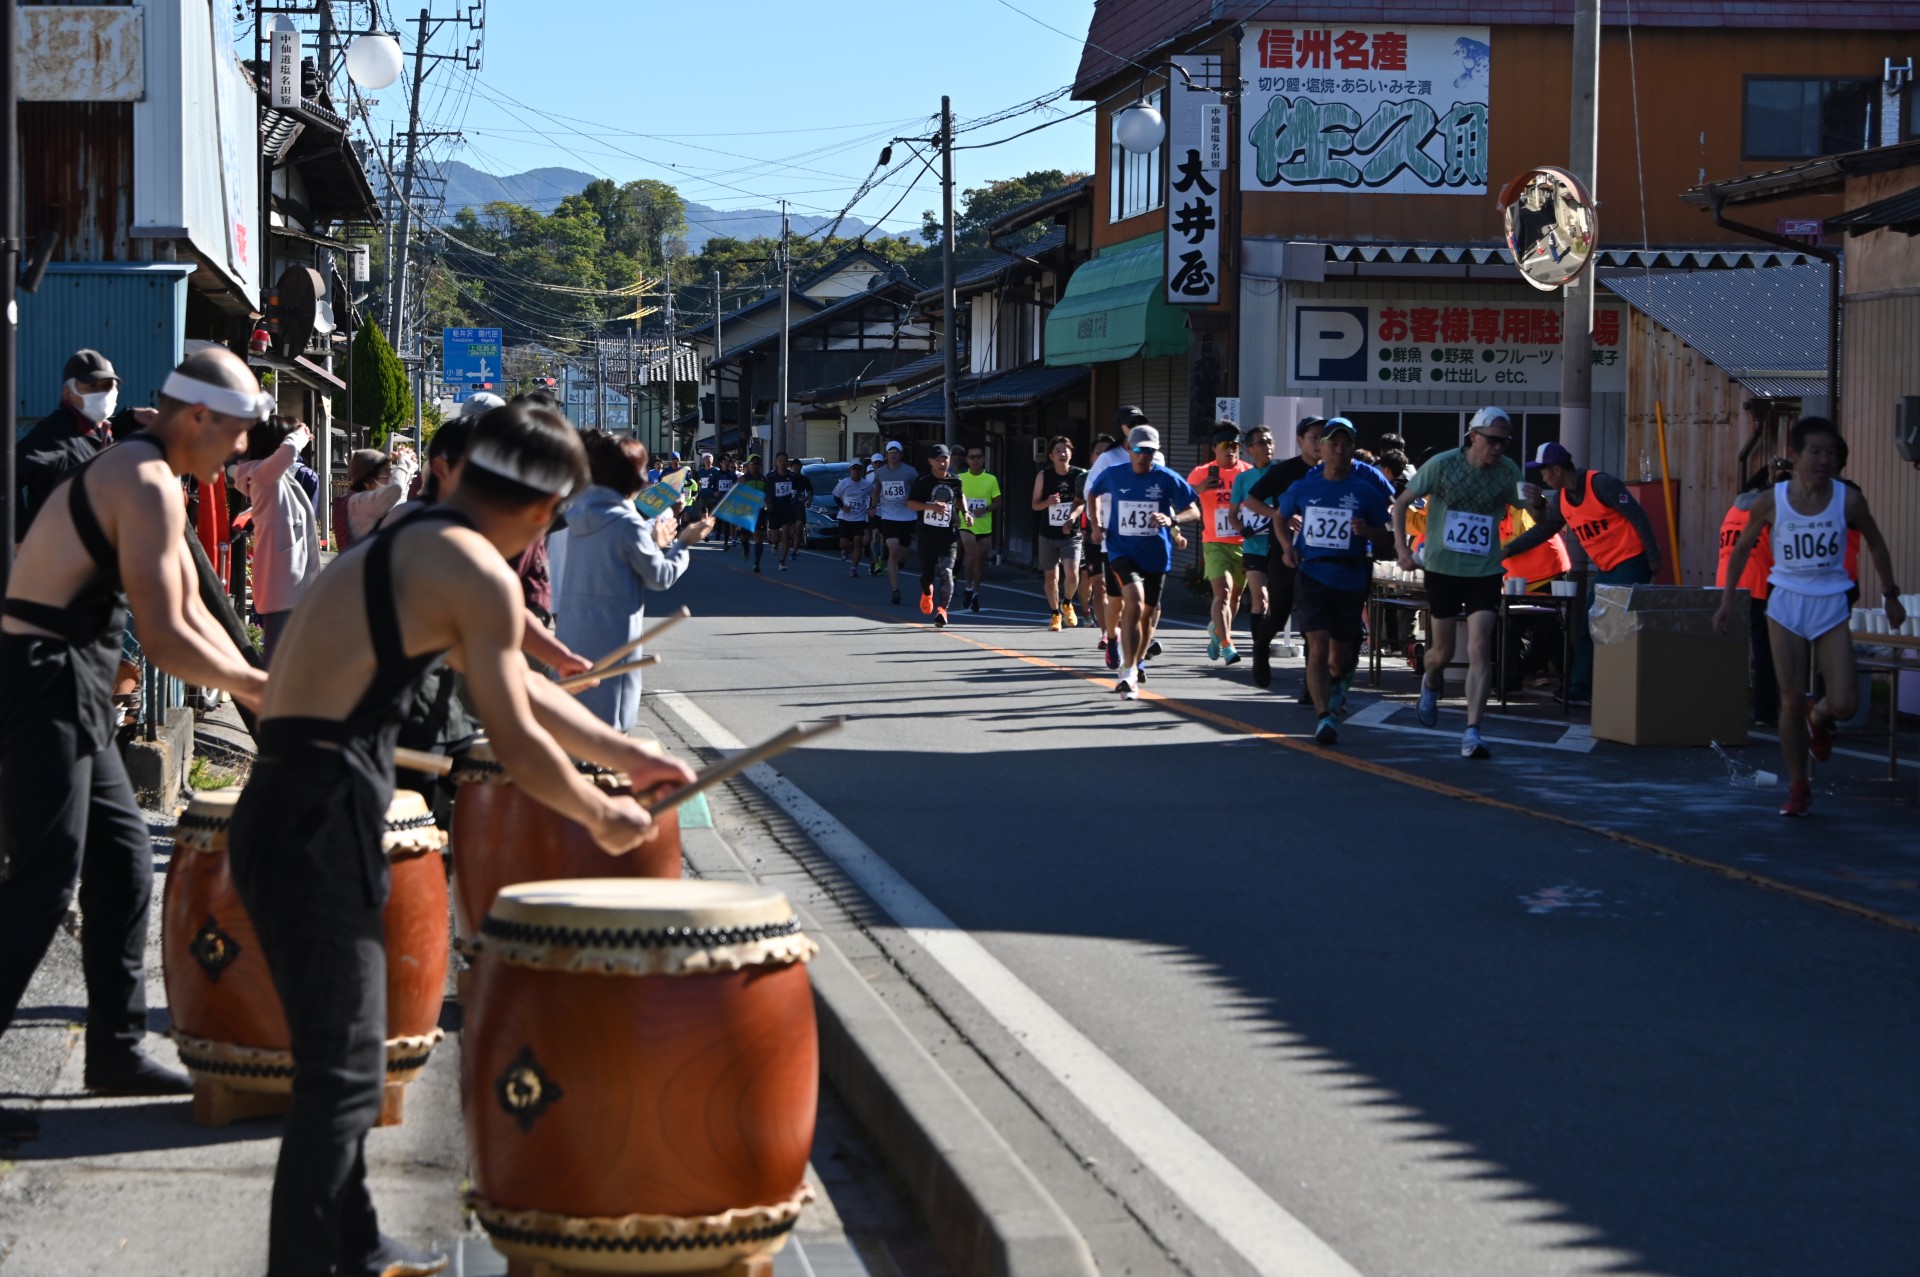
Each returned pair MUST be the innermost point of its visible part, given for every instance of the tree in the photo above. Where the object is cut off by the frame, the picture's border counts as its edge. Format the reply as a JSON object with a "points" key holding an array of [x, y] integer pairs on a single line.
{"points": [[980, 207], [382, 400]]}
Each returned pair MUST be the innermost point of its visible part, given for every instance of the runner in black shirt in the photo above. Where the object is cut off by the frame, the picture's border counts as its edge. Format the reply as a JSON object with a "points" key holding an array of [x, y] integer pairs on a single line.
{"points": [[1263, 499], [936, 498]]}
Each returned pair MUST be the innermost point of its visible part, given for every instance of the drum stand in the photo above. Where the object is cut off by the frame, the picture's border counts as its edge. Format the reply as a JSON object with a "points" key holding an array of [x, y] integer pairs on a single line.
{"points": [[217, 1104], [752, 1266]]}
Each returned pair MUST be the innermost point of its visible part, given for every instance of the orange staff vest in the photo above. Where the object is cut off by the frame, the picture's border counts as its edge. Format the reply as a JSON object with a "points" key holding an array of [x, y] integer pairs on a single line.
{"points": [[1604, 532]]}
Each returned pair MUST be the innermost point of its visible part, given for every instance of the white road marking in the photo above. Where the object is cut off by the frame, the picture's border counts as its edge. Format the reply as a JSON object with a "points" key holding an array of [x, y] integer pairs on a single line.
{"points": [[1215, 1190]]}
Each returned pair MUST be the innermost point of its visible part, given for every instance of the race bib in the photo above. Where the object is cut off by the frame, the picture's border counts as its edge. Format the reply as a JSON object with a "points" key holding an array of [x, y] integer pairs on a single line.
{"points": [[782, 488], [934, 519], [1467, 533], [1061, 515], [1136, 517], [725, 485], [1327, 527], [1223, 522], [856, 506], [893, 490], [975, 505]]}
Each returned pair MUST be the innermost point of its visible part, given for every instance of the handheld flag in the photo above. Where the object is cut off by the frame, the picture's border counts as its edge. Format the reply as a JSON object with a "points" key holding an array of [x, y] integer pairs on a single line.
{"points": [[741, 506], [663, 496]]}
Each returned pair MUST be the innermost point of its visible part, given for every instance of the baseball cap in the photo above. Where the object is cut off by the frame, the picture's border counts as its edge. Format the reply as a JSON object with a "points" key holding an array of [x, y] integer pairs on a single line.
{"points": [[894, 445], [1226, 432], [1306, 424], [1143, 437], [480, 402], [1131, 416], [879, 456], [1550, 454], [673, 456], [939, 450], [1487, 416], [1337, 425], [88, 365]]}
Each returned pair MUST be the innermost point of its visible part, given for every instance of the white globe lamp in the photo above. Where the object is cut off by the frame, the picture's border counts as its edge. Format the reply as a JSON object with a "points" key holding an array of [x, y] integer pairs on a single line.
{"points": [[373, 60], [1139, 128]]}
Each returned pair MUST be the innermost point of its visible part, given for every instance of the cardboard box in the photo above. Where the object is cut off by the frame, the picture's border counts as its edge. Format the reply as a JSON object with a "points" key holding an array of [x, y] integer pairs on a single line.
{"points": [[1661, 676]]}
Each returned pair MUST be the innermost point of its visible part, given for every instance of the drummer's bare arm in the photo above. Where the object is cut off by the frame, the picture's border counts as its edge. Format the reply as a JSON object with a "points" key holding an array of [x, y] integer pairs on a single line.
{"points": [[584, 736], [482, 599], [543, 647], [163, 591]]}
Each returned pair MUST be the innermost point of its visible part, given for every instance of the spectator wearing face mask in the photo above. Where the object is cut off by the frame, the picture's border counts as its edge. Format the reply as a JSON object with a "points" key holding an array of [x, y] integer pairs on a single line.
{"points": [[70, 435], [286, 533]]}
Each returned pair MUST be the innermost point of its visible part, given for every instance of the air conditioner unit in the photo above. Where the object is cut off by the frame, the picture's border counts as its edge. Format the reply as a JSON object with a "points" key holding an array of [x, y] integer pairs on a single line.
{"points": [[1906, 428], [1040, 451]]}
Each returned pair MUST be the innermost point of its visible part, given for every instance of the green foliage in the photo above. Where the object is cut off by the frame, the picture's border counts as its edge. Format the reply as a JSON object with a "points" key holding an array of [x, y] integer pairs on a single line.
{"points": [[203, 775], [981, 206], [382, 400]]}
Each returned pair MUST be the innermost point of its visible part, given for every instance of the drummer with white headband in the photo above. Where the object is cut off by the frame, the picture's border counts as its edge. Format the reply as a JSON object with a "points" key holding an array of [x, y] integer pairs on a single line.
{"points": [[116, 534]]}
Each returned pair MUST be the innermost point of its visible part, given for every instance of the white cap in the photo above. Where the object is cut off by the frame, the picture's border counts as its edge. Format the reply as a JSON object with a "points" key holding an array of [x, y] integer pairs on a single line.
{"points": [[479, 402], [1143, 437], [893, 445], [880, 457], [1487, 416]]}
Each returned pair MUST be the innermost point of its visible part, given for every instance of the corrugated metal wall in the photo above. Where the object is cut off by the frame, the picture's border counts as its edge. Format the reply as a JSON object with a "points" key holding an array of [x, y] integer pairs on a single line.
{"points": [[1159, 387], [1880, 362], [134, 313]]}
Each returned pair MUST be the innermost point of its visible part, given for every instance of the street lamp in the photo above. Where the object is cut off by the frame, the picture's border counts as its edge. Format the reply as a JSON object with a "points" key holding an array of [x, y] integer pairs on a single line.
{"points": [[1139, 127], [373, 60]]}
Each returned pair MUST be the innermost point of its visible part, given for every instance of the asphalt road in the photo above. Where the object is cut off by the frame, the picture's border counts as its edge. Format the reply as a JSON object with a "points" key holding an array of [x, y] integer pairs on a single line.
{"points": [[1309, 1014]]}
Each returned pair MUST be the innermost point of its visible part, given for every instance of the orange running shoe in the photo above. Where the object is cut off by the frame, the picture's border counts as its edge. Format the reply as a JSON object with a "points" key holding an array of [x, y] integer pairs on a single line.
{"points": [[1799, 799], [940, 618], [926, 601], [1819, 738]]}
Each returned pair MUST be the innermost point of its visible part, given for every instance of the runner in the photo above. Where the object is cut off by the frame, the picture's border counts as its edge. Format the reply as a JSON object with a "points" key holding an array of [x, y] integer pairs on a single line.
{"points": [[797, 525], [1807, 610], [1097, 516], [703, 481], [1467, 489], [756, 545], [853, 498], [936, 498], [877, 541], [1610, 526], [1222, 557], [1340, 514], [892, 482], [982, 494], [724, 477], [1254, 548], [1143, 503], [1059, 499], [779, 512], [1093, 560], [1262, 501]]}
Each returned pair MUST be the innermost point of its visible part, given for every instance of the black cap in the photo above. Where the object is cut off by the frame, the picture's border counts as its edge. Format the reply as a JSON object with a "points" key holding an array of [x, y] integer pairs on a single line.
{"points": [[88, 365], [1131, 416], [939, 450], [1306, 424], [1226, 432]]}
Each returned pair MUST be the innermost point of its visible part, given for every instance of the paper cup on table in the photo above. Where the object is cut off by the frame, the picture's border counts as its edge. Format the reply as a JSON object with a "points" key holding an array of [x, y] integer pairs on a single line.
{"points": [[1859, 622], [1564, 589], [1516, 586]]}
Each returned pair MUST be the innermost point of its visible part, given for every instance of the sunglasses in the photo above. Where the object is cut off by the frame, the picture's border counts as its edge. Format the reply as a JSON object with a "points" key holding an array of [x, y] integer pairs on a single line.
{"points": [[1502, 440]]}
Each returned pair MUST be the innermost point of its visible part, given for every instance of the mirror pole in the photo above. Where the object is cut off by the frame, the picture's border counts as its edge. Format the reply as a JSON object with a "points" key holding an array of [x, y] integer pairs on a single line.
{"points": [[1576, 323]]}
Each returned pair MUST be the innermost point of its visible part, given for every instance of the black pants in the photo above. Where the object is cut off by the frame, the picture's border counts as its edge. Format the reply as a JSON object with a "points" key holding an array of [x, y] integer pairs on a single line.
{"points": [[936, 567], [1280, 579], [68, 810], [302, 861]]}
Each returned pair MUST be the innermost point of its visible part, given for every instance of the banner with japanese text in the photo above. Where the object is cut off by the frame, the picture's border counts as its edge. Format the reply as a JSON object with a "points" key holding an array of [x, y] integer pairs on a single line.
{"points": [[1364, 344], [1196, 195], [1371, 109]]}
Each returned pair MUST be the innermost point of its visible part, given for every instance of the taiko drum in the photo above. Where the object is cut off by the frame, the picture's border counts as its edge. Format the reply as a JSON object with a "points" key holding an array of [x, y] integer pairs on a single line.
{"points": [[501, 836], [640, 1072], [227, 1017]]}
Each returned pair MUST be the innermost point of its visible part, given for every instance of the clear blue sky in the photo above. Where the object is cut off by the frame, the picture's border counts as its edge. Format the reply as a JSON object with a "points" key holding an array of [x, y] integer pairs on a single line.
{"points": [[739, 103]]}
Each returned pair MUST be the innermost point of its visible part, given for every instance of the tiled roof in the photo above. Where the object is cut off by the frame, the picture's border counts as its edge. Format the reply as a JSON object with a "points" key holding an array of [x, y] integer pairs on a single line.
{"points": [[1046, 206], [1897, 212], [1766, 329], [1015, 388], [981, 277], [1125, 30], [896, 293], [906, 374]]}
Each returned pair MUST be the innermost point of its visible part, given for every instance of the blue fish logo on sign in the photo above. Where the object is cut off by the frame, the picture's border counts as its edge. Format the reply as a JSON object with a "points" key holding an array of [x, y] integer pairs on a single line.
{"points": [[1329, 344]]}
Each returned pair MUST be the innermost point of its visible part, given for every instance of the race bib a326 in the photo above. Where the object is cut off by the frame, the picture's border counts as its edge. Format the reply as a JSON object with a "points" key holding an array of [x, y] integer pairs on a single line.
{"points": [[1327, 527]]}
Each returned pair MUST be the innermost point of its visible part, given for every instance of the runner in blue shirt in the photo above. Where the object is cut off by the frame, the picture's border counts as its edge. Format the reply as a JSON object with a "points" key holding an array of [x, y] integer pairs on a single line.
{"points": [[1341, 513], [1144, 502]]}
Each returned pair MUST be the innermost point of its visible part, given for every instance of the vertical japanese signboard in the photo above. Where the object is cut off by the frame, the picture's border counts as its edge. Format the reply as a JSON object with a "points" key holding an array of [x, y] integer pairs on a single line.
{"points": [[1195, 192], [1395, 110]]}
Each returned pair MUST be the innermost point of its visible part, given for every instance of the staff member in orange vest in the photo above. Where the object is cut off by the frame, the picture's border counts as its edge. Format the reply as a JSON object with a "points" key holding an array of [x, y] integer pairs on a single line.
{"points": [[1766, 689], [1610, 526]]}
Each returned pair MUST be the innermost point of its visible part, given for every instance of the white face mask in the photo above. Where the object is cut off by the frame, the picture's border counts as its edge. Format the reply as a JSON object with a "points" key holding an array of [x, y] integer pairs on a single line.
{"points": [[99, 407]]}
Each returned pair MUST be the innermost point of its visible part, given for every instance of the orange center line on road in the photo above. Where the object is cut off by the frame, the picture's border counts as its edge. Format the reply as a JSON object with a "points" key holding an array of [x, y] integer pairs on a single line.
{"points": [[1382, 771]]}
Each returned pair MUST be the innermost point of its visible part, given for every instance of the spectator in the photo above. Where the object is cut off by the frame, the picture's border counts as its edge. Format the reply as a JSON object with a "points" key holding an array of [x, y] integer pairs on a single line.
{"points": [[69, 436], [286, 532], [614, 556], [376, 483]]}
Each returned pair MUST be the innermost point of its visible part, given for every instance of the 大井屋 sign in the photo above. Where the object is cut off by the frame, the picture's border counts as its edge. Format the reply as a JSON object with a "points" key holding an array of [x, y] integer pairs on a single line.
{"points": [[1370, 109], [1443, 345]]}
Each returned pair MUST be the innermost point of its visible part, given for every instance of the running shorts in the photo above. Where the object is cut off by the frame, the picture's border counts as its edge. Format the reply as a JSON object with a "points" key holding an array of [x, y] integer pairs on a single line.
{"points": [[1807, 615], [900, 530], [1320, 608], [1452, 597], [1122, 571], [1223, 559], [1093, 558], [1055, 552], [852, 529]]}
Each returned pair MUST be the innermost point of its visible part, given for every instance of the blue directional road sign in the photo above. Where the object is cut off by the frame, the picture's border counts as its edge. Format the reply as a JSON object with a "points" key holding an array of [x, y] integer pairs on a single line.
{"points": [[470, 358]]}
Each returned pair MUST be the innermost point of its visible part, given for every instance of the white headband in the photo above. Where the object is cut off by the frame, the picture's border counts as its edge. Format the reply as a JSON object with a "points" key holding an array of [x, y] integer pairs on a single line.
{"points": [[490, 456], [229, 403]]}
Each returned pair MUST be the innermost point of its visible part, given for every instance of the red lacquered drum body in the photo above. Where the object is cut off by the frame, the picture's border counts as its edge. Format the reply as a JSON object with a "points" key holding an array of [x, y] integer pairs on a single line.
{"points": [[640, 1073], [501, 836], [226, 1014]]}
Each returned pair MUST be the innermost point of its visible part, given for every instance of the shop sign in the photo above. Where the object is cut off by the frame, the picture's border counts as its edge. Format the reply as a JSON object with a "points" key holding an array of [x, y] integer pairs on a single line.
{"points": [[1196, 193], [1364, 344], [1389, 110]]}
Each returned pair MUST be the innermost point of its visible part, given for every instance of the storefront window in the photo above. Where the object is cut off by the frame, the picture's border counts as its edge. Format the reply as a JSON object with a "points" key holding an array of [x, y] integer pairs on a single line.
{"points": [[1134, 181]]}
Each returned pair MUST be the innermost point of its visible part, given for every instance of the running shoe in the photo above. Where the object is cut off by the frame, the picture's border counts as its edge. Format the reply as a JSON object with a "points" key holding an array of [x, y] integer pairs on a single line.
{"points": [[1141, 670], [1337, 697], [1069, 617], [1429, 710], [973, 604], [1111, 647], [756, 568], [1125, 689], [783, 565], [1819, 738], [854, 571], [1054, 623], [939, 618], [1799, 799], [926, 601], [1328, 732], [1213, 645], [1130, 694], [1230, 654], [1471, 746], [877, 569], [896, 596], [1153, 649]]}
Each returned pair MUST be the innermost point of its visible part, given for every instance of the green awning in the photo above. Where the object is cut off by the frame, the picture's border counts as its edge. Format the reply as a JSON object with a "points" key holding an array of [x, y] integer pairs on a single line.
{"points": [[1116, 308]]}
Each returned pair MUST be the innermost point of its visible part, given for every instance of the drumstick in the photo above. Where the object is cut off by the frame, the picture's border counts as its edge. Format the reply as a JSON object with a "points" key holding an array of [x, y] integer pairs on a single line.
{"points": [[627, 649], [727, 768], [596, 674], [419, 760]]}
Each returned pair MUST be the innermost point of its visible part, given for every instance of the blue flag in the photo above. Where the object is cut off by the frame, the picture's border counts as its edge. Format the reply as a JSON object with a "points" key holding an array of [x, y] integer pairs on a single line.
{"points": [[741, 507], [662, 496]]}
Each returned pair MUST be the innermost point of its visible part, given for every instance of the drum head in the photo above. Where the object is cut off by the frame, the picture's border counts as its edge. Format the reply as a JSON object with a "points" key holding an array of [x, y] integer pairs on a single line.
{"points": [[408, 810], [203, 825], [643, 905], [477, 764]]}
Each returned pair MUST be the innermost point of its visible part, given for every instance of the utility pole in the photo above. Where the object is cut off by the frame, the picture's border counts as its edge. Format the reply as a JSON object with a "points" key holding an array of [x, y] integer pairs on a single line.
{"points": [[395, 317], [786, 325], [673, 371], [718, 424], [599, 384], [9, 273], [633, 379], [1576, 320], [949, 344]]}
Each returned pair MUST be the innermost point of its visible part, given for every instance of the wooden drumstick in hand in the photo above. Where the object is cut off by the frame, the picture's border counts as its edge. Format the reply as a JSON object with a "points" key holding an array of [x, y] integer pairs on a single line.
{"points": [[727, 768], [596, 674], [600, 666]]}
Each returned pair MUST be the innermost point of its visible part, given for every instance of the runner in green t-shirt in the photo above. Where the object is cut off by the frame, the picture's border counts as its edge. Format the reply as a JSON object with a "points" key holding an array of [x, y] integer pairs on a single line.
{"points": [[981, 492], [1468, 490]]}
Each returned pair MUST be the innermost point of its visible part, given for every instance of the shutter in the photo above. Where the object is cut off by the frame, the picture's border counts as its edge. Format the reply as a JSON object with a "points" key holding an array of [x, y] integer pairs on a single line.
{"points": [[1163, 397]]}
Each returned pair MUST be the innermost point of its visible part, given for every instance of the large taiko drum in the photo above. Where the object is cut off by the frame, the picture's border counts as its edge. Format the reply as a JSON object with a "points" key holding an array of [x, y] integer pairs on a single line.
{"points": [[501, 836], [640, 1072], [227, 1017]]}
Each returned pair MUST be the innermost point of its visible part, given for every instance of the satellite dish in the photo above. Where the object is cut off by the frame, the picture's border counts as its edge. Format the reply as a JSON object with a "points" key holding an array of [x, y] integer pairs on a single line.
{"points": [[1550, 226], [302, 295]]}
